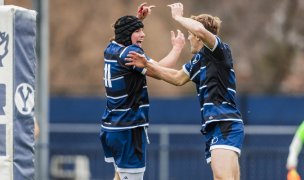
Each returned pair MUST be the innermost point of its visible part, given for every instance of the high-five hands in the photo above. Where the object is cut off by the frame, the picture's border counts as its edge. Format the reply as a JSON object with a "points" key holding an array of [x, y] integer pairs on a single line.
{"points": [[141, 61], [144, 11], [177, 10], [179, 40], [136, 59]]}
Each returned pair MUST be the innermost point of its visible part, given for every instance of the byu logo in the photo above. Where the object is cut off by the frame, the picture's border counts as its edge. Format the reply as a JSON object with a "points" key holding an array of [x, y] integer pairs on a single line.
{"points": [[214, 140], [197, 57], [3, 46], [24, 98], [2, 98]]}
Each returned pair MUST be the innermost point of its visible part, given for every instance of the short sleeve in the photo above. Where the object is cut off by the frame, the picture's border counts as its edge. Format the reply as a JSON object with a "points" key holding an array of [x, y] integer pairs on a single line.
{"points": [[220, 51], [215, 45], [187, 68], [138, 50], [192, 68]]}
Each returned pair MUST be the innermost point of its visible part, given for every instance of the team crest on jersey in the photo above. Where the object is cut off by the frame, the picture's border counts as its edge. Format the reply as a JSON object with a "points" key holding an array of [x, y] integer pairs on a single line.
{"points": [[24, 98], [196, 59], [214, 140], [4, 39]]}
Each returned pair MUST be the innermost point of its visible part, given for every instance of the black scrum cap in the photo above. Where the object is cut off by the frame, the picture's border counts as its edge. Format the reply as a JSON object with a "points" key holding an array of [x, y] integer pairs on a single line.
{"points": [[124, 28]]}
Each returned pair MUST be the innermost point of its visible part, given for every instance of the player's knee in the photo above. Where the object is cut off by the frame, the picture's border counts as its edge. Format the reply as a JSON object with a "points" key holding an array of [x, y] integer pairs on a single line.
{"points": [[226, 175], [221, 177]]}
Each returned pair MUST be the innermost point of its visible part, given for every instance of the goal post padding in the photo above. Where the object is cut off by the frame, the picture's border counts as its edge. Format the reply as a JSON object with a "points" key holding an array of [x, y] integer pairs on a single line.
{"points": [[17, 89]]}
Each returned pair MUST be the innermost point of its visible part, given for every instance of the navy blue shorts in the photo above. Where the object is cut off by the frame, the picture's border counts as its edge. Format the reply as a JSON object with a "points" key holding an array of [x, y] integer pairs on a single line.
{"points": [[224, 135], [126, 148]]}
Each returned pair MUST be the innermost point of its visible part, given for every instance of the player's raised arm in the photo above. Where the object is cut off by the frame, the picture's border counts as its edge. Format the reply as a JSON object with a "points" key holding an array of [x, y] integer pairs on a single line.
{"points": [[191, 25], [169, 61], [143, 11], [171, 76], [178, 43]]}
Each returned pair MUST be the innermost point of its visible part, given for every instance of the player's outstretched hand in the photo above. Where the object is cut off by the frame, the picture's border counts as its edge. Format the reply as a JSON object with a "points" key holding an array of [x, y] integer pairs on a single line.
{"points": [[179, 40], [177, 10], [136, 59], [144, 11]]}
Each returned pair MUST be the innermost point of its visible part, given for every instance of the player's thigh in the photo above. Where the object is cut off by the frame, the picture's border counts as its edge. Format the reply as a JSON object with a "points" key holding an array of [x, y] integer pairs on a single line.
{"points": [[106, 149], [128, 149], [224, 163]]}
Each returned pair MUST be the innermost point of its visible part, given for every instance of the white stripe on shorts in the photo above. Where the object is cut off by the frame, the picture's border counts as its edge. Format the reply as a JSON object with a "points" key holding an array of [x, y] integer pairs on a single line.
{"points": [[208, 160], [109, 160], [131, 170], [226, 147]]}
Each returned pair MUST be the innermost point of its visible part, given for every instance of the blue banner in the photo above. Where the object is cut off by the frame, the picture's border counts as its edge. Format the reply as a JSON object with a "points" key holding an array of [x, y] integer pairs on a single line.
{"points": [[24, 85], [17, 89]]}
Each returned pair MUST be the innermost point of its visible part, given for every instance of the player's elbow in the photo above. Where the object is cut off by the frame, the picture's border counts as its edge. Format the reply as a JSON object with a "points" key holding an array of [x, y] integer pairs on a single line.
{"points": [[179, 82], [180, 78], [157, 78]]}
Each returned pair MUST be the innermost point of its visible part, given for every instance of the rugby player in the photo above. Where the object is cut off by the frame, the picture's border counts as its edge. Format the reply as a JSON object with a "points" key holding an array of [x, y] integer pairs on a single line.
{"points": [[211, 69], [123, 130]]}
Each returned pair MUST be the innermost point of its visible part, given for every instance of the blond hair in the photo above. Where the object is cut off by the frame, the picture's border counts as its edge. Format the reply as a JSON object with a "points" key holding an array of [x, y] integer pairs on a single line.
{"points": [[210, 23]]}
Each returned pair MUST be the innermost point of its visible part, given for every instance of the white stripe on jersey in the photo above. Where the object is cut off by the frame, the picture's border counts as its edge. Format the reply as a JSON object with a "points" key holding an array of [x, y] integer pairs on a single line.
{"points": [[144, 86], [232, 70], [118, 97], [216, 120], [208, 104], [117, 78], [230, 89], [144, 105], [114, 79], [108, 60], [203, 87], [123, 51], [117, 43], [121, 109], [195, 74], [127, 127]]}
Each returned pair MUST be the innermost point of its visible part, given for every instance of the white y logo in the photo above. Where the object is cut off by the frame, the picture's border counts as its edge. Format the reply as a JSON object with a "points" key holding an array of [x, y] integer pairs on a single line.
{"points": [[24, 98]]}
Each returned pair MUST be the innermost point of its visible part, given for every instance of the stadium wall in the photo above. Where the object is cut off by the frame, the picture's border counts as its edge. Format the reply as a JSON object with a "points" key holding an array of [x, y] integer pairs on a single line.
{"points": [[177, 146], [256, 110]]}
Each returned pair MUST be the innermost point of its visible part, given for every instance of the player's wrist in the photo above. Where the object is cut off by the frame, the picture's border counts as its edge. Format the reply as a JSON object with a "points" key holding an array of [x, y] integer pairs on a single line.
{"points": [[177, 17], [141, 18], [149, 64], [177, 48]]}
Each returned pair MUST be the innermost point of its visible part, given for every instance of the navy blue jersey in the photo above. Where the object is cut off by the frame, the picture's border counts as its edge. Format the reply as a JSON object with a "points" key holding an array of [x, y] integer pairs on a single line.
{"points": [[126, 90], [212, 72]]}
